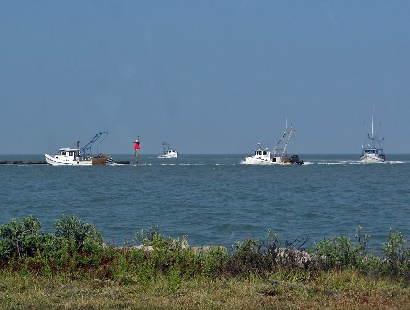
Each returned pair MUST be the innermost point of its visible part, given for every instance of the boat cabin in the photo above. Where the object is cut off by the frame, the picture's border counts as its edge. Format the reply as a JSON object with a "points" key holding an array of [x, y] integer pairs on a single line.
{"points": [[373, 151], [261, 152], [68, 153]]}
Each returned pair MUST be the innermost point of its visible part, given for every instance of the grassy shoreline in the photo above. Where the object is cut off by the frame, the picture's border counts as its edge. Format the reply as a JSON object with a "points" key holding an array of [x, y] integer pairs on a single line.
{"points": [[73, 269], [356, 292]]}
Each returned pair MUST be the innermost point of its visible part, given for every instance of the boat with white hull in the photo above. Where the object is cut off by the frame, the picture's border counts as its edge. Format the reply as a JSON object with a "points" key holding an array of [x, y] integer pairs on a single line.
{"points": [[78, 156], [278, 156], [372, 150], [168, 152]]}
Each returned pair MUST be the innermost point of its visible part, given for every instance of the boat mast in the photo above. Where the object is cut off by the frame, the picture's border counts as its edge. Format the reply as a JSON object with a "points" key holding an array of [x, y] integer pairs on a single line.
{"points": [[372, 122], [165, 147], [287, 141], [285, 132], [280, 140]]}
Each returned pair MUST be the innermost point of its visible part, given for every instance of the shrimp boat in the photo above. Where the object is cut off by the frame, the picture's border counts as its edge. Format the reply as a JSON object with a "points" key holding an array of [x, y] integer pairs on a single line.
{"points": [[278, 156], [79, 156], [372, 150], [168, 152]]}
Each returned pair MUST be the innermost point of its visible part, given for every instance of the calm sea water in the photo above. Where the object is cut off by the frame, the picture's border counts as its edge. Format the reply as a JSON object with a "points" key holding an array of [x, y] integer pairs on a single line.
{"points": [[212, 199]]}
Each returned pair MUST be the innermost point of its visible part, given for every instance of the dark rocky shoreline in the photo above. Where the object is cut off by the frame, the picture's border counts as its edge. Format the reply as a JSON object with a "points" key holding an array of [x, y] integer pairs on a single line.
{"points": [[42, 162], [23, 162]]}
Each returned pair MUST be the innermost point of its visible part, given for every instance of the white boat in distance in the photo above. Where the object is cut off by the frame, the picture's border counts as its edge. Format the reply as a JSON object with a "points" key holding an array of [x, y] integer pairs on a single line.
{"points": [[372, 150], [168, 152], [277, 157], [79, 156]]}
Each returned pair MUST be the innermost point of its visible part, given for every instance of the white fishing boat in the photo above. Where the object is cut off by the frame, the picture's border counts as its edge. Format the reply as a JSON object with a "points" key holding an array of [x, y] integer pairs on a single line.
{"points": [[168, 152], [79, 156], [278, 156], [372, 150]]}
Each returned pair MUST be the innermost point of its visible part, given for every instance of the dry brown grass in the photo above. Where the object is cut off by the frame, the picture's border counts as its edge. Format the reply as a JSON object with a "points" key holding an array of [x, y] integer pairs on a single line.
{"points": [[32, 292]]}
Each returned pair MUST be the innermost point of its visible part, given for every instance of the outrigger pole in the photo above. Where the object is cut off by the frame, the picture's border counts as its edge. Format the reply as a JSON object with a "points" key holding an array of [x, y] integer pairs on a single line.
{"points": [[285, 132], [87, 148]]}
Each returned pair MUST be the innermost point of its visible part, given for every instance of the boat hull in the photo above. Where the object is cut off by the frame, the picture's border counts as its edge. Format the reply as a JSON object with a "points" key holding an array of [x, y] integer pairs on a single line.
{"points": [[252, 160], [372, 158], [256, 161], [55, 160], [169, 155]]}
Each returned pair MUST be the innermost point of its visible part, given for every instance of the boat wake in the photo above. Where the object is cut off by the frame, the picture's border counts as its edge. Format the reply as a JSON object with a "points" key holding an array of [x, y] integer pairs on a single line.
{"points": [[307, 163], [358, 162]]}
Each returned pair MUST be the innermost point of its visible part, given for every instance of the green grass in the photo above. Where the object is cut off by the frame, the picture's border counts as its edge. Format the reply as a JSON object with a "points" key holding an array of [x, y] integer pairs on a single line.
{"points": [[331, 290], [73, 269]]}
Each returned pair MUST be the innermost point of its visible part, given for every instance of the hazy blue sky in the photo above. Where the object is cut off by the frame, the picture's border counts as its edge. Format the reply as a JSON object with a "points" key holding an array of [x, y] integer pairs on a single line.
{"points": [[205, 76]]}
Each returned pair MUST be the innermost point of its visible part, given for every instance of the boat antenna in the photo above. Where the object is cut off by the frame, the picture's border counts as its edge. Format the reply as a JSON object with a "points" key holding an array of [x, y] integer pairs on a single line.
{"points": [[372, 122]]}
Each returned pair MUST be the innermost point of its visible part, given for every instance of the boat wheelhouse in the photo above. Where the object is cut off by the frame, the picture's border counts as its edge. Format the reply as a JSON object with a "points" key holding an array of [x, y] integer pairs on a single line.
{"points": [[260, 157]]}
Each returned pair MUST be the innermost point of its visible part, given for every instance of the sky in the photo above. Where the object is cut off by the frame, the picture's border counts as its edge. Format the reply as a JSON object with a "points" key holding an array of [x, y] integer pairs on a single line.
{"points": [[208, 77]]}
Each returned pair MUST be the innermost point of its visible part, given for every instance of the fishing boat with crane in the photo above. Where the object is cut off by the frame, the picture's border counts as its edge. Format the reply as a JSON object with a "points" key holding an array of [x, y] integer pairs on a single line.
{"points": [[372, 149], [80, 156], [278, 156]]}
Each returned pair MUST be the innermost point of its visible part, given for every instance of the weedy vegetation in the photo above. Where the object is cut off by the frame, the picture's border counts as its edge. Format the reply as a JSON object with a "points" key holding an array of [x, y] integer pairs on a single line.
{"points": [[72, 268]]}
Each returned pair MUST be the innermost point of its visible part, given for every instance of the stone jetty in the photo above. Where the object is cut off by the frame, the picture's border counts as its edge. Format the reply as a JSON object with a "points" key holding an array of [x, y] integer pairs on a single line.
{"points": [[23, 162], [43, 162]]}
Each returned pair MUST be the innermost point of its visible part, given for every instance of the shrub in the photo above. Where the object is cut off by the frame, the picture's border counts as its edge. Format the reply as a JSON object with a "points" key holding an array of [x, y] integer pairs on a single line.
{"points": [[78, 237], [213, 262], [397, 253], [162, 256], [255, 256], [76, 249], [340, 252], [20, 238]]}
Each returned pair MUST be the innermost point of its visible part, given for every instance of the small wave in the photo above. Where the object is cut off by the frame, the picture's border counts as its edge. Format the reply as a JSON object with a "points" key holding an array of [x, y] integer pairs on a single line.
{"points": [[332, 163], [394, 162], [191, 164], [307, 163], [342, 162]]}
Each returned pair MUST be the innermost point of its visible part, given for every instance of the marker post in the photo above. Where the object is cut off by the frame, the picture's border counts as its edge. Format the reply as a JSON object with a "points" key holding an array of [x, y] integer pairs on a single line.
{"points": [[137, 148]]}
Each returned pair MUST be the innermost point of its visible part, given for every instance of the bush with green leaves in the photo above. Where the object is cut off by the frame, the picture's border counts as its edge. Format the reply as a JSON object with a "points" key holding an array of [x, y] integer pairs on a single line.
{"points": [[397, 253], [166, 255], [340, 252], [76, 236], [20, 238], [76, 249], [255, 256]]}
